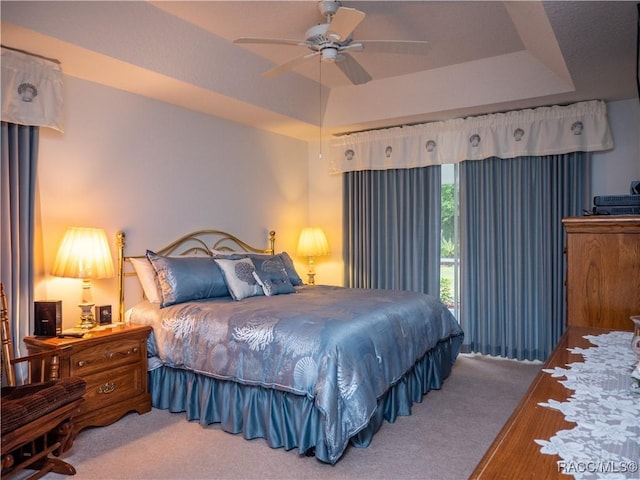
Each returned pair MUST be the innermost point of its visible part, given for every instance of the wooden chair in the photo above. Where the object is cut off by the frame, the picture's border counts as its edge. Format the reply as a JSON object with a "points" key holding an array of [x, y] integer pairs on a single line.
{"points": [[37, 414]]}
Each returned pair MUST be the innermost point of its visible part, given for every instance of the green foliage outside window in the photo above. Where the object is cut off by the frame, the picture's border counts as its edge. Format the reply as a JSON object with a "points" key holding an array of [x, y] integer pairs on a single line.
{"points": [[448, 244], [448, 208], [446, 293]]}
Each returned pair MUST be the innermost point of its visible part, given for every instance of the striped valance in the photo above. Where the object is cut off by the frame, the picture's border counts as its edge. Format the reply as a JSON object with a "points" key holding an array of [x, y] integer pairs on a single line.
{"points": [[533, 132]]}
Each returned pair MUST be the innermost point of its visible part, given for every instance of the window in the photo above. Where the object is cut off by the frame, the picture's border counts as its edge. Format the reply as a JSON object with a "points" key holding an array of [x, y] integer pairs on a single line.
{"points": [[450, 244]]}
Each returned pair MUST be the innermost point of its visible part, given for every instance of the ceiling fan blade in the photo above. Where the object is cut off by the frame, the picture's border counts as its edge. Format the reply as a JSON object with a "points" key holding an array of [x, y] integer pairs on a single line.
{"points": [[270, 41], [408, 47], [290, 65], [353, 70], [343, 23]]}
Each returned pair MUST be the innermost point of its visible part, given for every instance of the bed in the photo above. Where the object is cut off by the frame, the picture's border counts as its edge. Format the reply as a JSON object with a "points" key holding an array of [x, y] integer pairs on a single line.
{"points": [[239, 340]]}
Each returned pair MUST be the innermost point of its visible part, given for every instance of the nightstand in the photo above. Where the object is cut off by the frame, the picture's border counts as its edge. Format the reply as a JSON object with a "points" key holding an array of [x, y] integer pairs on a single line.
{"points": [[113, 361]]}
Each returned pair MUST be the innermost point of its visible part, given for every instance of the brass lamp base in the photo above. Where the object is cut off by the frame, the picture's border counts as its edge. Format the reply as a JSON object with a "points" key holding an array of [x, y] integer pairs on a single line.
{"points": [[87, 319], [311, 278], [311, 272]]}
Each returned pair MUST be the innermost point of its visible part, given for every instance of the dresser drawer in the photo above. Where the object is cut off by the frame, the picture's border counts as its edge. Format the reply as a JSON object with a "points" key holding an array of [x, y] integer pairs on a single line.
{"points": [[106, 355], [113, 386]]}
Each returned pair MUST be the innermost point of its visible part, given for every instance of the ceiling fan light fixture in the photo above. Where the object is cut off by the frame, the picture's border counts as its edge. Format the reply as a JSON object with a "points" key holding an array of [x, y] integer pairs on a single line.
{"points": [[329, 54]]}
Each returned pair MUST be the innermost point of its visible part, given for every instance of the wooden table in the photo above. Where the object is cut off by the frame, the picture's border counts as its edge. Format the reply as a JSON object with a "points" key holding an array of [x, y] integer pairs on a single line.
{"points": [[514, 454]]}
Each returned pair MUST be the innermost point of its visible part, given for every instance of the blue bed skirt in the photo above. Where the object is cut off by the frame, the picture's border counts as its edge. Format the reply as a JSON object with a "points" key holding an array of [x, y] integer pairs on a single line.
{"points": [[287, 420]]}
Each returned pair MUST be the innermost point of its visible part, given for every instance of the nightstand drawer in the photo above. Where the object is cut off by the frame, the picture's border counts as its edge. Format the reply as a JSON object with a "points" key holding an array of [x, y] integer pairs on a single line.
{"points": [[106, 355], [113, 386]]}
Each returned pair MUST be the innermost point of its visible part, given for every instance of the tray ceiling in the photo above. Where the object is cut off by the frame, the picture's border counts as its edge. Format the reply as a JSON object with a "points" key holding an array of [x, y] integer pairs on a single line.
{"points": [[483, 57]]}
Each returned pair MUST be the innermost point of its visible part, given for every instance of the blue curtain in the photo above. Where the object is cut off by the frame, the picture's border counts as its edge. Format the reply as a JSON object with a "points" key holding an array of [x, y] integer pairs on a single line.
{"points": [[392, 229], [512, 242], [18, 161]]}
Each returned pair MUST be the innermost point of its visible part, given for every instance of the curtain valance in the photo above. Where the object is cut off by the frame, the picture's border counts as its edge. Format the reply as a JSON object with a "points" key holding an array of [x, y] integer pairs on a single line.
{"points": [[581, 127], [31, 90]]}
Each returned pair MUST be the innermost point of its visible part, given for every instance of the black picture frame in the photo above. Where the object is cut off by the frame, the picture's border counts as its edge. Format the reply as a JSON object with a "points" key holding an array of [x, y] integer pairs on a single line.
{"points": [[103, 314]]}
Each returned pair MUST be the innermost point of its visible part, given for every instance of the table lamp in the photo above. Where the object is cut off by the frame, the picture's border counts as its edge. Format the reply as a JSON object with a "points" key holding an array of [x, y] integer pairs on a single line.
{"points": [[312, 243], [84, 253]]}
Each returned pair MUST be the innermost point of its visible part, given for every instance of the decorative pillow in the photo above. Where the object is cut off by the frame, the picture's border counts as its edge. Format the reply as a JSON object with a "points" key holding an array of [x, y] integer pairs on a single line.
{"points": [[238, 273], [272, 276], [294, 278], [182, 279], [147, 277]]}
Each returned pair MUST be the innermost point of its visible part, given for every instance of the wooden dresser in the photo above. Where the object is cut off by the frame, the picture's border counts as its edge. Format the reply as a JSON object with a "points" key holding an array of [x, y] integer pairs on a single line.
{"points": [[603, 270], [113, 361], [514, 453]]}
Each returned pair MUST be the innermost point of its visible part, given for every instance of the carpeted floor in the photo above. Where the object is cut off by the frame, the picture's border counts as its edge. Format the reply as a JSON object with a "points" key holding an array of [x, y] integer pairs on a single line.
{"points": [[444, 438]]}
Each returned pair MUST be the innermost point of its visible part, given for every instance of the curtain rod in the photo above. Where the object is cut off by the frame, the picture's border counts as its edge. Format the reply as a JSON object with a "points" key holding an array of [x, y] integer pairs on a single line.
{"points": [[31, 54], [342, 134], [400, 125]]}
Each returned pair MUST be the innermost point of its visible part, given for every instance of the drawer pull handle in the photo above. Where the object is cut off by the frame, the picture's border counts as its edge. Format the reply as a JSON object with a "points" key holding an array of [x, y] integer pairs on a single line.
{"points": [[109, 356], [108, 387]]}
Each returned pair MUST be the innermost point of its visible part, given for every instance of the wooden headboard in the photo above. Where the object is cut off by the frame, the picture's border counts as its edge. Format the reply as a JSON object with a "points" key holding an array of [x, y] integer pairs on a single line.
{"points": [[202, 242]]}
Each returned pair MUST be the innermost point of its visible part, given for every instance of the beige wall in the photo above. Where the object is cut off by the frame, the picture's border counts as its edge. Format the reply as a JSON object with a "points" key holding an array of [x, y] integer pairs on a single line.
{"points": [[157, 171], [325, 210], [614, 170]]}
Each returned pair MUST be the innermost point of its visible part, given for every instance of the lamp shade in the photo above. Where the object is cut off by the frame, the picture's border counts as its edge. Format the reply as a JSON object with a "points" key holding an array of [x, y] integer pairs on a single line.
{"points": [[84, 253], [313, 242]]}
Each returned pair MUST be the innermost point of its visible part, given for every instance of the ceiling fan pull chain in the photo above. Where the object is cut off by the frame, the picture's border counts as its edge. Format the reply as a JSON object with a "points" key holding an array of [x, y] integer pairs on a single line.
{"points": [[320, 104]]}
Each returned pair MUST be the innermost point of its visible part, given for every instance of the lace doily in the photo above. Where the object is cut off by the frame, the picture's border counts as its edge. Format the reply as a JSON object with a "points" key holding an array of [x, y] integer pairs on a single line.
{"points": [[605, 443]]}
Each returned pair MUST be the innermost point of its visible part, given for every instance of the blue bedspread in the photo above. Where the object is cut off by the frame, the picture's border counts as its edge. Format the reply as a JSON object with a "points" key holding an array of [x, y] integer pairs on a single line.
{"points": [[341, 347]]}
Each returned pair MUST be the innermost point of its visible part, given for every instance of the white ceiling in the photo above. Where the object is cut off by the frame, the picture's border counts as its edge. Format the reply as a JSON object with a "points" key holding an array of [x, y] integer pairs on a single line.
{"points": [[483, 57]]}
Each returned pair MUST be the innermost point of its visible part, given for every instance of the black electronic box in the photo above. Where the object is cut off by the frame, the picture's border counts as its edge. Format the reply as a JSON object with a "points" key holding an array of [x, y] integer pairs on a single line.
{"points": [[618, 204], [47, 318]]}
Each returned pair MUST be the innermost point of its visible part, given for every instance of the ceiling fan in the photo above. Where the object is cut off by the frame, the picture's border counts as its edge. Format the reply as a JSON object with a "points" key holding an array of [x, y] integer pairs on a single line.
{"points": [[333, 42]]}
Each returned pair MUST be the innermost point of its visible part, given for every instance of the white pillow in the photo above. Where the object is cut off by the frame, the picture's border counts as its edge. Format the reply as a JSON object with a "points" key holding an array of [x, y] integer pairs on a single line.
{"points": [[238, 275], [147, 277]]}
